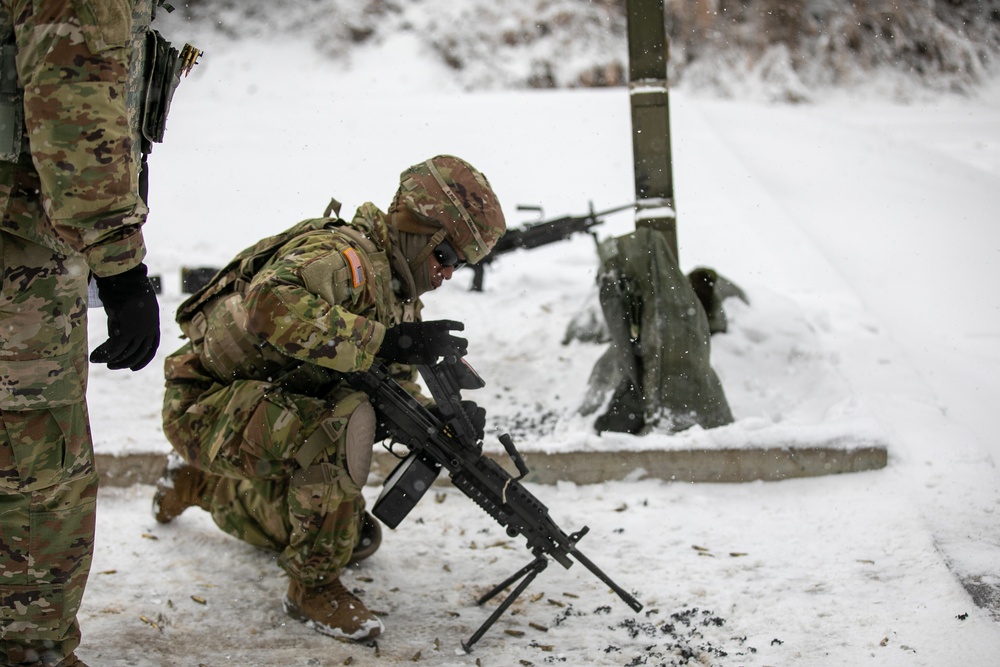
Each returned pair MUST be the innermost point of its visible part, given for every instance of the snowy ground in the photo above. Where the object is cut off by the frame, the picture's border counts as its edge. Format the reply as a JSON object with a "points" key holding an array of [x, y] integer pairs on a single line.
{"points": [[865, 235]]}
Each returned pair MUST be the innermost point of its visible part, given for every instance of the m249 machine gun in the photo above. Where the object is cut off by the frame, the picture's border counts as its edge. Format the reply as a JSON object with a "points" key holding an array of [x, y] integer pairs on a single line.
{"points": [[537, 234], [446, 438]]}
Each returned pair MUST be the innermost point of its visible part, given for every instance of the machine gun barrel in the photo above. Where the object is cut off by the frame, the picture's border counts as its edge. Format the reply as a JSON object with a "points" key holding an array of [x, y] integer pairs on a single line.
{"points": [[537, 234]]}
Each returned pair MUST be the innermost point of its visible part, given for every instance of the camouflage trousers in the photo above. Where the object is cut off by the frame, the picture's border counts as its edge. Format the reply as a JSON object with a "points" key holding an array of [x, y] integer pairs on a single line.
{"points": [[48, 483], [249, 435]]}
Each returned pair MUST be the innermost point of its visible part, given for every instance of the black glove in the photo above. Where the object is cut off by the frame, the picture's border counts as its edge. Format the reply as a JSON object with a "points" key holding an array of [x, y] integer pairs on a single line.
{"points": [[133, 320], [422, 342]]}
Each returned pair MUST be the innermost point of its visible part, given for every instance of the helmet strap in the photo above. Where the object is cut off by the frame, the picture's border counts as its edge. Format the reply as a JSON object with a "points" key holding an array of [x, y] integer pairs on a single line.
{"points": [[397, 258], [422, 256]]}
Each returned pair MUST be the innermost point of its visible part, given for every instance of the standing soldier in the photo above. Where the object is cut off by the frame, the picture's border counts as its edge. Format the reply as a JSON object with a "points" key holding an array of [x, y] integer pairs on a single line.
{"points": [[275, 442], [70, 151]]}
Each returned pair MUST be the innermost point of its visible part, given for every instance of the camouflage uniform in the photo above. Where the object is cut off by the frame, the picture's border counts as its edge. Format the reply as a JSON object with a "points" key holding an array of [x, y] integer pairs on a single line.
{"points": [[258, 397], [276, 443], [70, 206]]}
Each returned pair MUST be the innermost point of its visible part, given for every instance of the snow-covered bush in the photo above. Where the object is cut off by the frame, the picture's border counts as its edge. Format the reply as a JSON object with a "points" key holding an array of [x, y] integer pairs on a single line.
{"points": [[780, 48]]}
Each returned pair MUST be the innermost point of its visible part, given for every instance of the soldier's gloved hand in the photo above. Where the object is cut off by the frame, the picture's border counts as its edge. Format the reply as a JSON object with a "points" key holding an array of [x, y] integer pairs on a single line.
{"points": [[422, 342], [133, 320]]}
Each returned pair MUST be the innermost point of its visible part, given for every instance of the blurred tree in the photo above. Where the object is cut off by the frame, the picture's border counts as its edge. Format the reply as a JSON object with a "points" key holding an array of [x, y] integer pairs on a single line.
{"points": [[943, 44], [781, 21]]}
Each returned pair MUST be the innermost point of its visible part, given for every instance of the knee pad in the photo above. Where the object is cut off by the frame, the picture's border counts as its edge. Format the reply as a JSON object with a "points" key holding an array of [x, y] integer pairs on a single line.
{"points": [[344, 440], [359, 437]]}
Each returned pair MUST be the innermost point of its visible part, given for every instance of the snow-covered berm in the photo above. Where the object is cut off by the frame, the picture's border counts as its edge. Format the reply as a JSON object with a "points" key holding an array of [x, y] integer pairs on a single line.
{"points": [[865, 236]]}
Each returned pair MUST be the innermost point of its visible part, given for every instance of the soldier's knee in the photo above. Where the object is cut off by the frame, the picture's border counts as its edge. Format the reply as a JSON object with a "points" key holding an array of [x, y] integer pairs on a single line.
{"points": [[359, 437], [339, 451]]}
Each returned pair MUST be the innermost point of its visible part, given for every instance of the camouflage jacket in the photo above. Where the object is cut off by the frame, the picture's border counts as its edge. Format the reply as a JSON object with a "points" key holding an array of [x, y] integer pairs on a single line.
{"points": [[73, 64], [318, 307]]}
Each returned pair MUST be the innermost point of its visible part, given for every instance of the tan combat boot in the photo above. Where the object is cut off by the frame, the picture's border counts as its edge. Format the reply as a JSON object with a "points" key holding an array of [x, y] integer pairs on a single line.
{"points": [[331, 610], [181, 486]]}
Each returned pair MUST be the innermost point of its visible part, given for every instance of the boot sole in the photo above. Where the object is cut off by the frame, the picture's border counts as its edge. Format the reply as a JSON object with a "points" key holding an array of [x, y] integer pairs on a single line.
{"points": [[369, 629]]}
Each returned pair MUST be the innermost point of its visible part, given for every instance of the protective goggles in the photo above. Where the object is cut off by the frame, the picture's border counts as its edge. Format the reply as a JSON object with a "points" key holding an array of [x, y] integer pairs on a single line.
{"points": [[446, 255]]}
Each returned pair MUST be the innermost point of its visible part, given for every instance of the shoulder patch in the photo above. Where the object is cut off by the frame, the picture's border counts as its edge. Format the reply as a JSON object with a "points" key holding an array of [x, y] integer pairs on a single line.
{"points": [[354, 262]]}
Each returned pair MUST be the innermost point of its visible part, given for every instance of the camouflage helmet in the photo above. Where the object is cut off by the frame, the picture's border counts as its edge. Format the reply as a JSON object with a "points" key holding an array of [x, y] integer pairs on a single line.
{"points": [[446, 192]]}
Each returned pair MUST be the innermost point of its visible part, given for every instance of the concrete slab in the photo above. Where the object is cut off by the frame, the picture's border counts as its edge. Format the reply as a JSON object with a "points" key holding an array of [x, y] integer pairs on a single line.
{"points": [[695, 465]]}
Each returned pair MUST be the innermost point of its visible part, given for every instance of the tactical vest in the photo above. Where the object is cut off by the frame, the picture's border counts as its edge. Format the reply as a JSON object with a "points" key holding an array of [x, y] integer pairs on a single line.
{"points": [[155, 69], [214, 318]]}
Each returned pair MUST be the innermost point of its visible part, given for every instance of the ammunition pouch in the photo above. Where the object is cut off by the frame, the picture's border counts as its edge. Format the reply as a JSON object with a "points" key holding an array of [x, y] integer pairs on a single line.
{"points": [[229, 352], [226, 349], [404, 488], [12, 137], [164, 65]]}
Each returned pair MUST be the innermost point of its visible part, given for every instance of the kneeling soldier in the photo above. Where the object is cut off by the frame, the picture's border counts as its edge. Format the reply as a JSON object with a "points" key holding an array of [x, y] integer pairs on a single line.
{"points": [[269, 436]]}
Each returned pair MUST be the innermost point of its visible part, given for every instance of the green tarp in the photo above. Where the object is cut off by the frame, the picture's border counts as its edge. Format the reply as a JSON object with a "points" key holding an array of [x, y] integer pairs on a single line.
{"points": [[657, 368]]}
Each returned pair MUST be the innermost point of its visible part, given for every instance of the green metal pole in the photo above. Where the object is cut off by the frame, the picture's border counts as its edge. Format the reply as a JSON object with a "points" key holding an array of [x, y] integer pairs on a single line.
{"points": [[650, 102]]}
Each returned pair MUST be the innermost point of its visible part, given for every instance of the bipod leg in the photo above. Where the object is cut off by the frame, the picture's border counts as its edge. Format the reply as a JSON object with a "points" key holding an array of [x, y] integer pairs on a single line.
{"points": [[529, 572]]}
